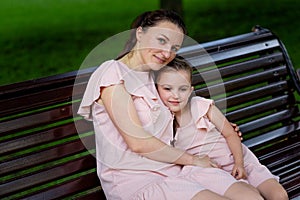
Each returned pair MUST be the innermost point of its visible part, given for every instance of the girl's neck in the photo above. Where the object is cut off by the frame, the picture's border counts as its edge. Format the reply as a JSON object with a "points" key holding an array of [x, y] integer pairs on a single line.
{"points": [[184, 117]]}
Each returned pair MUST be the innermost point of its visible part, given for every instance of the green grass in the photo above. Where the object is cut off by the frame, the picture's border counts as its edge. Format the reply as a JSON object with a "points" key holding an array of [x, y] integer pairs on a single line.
{"points": [[39, 38]]}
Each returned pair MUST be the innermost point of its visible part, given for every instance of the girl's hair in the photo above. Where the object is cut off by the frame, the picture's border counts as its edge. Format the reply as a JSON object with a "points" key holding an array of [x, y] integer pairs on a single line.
{"points": [[151, 19], [177, 64]]}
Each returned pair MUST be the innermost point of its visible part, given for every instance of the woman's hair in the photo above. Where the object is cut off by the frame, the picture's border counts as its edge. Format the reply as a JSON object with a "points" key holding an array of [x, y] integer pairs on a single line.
{"points": [[177, 64], [151, 19]]}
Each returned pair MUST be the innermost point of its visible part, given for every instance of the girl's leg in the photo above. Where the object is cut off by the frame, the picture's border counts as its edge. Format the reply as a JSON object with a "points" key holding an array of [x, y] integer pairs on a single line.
{"points": [[241, 190], [272, 190], [207, 194]]}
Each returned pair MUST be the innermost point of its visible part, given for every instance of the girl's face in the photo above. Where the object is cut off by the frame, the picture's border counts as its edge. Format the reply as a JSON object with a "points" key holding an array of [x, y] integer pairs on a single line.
{"points": [[174, 88], [157, 46]]}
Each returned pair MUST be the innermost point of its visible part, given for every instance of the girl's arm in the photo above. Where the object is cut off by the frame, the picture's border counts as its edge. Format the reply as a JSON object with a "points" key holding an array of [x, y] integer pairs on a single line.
{"points": [[232, 139], [120, 107]]}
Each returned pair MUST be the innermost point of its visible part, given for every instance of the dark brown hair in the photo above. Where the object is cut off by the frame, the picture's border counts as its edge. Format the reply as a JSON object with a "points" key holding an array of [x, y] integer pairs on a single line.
{"points": [[151, 19]]}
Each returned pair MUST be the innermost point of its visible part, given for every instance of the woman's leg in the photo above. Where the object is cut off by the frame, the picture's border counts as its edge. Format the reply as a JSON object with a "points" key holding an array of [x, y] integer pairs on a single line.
{"points": [[241, 190], [206, 194], [272, 190]]}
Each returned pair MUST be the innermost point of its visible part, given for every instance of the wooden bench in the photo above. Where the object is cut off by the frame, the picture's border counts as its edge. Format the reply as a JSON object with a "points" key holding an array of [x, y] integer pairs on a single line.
{"points": [[251, 78]]}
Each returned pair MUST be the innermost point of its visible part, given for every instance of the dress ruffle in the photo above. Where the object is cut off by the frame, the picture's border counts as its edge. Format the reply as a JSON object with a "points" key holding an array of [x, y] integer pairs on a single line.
{"points": [[200, 107], [114, 72]]}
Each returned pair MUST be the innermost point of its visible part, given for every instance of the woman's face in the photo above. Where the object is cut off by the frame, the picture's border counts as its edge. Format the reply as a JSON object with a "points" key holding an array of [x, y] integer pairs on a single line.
{"points": [[158, 45], [174, 88]]}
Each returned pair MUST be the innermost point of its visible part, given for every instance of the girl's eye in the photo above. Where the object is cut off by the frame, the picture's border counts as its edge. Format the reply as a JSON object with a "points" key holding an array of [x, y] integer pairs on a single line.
{"points": [[167, 89], [184, 89]]}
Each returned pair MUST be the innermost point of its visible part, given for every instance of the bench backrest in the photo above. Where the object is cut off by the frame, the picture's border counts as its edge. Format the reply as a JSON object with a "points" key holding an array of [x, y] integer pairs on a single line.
{"points": [[42, 155]]}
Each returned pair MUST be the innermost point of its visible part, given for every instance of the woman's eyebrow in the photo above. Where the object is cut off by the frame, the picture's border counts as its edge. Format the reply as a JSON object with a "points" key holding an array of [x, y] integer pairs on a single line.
{"points": [[165, 37]]}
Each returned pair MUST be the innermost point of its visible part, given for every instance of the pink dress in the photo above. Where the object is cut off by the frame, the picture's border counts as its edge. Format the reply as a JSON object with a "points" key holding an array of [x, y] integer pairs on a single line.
{"points": [[200, 137], [124, 174]]}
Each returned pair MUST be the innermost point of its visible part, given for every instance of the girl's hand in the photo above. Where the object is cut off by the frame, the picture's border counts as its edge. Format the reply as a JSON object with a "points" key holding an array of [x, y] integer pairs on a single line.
{"points": [[237, 130], [204, 161], [238, 172]]}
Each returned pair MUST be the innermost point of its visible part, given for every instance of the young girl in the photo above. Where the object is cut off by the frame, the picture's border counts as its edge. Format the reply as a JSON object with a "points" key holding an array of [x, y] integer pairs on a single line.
{"points": [[203, 130]]}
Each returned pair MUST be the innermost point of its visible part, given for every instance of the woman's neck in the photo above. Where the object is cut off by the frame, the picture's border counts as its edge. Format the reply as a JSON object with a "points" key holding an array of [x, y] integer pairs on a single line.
{"points": [[133, 62]]}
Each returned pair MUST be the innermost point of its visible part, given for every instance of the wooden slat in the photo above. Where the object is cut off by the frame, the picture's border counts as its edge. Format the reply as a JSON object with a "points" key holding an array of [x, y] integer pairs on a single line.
{"points": [[232, 54], [253, 94], [281, 132], [257, 108], [37, 119], [238, 68], [60, 171], [245, 81], [40, 137], [280, 116], [12, 164], [87, 182]]}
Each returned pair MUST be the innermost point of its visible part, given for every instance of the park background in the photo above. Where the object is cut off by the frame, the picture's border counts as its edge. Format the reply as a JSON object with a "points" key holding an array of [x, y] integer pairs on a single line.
{"points": [[39, 38]]}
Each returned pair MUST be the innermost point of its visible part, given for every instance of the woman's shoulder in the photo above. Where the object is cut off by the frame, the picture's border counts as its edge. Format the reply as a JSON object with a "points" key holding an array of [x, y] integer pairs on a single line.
{"points": [[112, 65]]}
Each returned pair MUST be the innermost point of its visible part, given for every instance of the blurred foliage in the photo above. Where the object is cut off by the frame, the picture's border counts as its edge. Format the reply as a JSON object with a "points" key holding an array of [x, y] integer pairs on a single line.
{"points": [[43, 37]]}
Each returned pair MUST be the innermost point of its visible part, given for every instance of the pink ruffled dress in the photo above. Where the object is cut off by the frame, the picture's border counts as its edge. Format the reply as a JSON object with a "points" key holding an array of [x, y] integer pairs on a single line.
{"points": [[124, 174], [200, 137]]}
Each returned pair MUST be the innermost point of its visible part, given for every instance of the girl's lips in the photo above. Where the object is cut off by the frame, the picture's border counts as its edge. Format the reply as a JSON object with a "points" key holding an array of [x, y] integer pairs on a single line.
{"points": [[175, 103]]}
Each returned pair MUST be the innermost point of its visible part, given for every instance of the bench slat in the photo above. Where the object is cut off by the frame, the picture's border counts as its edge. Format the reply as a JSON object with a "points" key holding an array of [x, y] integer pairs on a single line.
{"points": [[40, 137], [238, 68], [86, 182], [79, 165], [13, 163]]}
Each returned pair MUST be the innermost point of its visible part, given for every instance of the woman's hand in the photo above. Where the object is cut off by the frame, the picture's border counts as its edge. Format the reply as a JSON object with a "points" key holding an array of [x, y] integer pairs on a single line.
{"points": [[204, 161], [237, 130]]}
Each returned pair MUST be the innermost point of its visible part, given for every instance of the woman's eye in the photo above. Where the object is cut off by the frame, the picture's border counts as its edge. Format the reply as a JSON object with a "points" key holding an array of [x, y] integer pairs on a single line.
{"points": [[174, 49], [162, 41], [167, 89]]}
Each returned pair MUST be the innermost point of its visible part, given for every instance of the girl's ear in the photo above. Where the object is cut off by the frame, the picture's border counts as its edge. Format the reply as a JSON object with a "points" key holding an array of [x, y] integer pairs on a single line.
{"points": [[192, 89]]}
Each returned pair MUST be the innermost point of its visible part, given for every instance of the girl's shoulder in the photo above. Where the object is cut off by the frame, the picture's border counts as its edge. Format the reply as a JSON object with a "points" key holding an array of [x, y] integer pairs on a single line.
{"points": [[199, 106], [200, 101]]}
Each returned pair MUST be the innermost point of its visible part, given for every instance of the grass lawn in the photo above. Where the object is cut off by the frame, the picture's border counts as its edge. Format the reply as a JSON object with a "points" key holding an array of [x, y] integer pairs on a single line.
{"points": [[43, 37]]}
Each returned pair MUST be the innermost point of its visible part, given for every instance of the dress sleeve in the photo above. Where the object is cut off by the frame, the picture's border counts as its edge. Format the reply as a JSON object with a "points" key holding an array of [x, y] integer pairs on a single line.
{"points": [[105, 75], [199, 109], [112, 73]]}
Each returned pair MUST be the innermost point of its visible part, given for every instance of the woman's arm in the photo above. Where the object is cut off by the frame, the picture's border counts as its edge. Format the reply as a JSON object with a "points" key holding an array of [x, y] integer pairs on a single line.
{"points": [[120, 107], [232, 139]]}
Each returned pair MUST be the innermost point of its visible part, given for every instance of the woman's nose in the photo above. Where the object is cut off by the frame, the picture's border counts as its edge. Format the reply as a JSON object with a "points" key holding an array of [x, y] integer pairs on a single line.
{"points": [[166, 53]]}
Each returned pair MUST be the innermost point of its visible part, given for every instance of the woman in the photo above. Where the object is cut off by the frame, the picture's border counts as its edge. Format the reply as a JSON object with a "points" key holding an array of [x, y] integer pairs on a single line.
{"points": [[132, 126], [202, 129]]}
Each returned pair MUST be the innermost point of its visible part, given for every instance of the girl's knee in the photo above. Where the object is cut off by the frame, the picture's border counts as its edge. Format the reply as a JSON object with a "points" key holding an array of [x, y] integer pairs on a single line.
{"points": [[277, 195], [272, 190], [243, 191]]}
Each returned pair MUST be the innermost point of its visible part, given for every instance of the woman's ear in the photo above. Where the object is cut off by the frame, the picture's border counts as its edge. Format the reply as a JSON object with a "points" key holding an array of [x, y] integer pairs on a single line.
{"points": [[139, 32]]}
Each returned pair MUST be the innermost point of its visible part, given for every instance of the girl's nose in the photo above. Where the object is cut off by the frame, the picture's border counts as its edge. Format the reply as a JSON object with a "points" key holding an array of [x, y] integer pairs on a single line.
{"points": [[175, 94]]}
